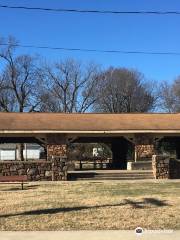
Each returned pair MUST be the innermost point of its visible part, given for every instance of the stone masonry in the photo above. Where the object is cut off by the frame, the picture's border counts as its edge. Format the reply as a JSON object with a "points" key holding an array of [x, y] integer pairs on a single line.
{"points": [[160, 166], [35, 170], [174, 169], [144, 151], [165, 167], [56, 150], [55, 168], [144, 146]]}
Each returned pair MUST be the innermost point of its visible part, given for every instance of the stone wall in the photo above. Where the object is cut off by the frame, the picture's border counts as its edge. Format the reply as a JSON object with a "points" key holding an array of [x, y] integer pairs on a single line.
{"points": [[174, 169], [160, 166], [60, 168], [38, 170], [165, 167], [35, 170]]}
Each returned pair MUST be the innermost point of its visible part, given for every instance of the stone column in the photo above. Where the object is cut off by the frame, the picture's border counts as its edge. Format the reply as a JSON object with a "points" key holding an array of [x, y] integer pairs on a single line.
{"points": [[57, 154], [144, 146], [54, 150], [160, 166]]}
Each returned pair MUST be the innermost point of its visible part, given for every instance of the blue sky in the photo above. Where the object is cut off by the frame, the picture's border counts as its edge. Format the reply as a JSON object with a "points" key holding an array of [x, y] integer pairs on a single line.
{"points": [[127, 32]]}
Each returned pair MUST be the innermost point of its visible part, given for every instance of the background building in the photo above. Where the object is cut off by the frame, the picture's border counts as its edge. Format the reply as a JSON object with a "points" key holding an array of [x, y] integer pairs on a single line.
{"points": [[10, 151]]}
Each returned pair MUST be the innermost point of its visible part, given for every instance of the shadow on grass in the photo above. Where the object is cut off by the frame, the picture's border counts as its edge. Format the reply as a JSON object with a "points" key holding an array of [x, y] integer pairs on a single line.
{"points": [[156, 202], [18, 188], [146, 203]]}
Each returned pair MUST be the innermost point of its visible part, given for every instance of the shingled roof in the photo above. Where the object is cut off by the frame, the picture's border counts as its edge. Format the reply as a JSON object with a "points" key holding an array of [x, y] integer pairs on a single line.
{"points": [[89, 122]]}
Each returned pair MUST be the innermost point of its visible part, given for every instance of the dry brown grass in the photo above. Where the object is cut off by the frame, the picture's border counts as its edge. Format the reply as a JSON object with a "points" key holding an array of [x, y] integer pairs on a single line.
{"points": [[90, 205]]}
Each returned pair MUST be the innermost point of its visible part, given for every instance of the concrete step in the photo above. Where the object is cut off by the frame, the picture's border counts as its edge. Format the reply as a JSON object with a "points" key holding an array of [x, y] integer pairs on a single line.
{"points": [[118, 177], [140, 165], [110, 171], [102, 179], [126, 175], [115, 176]]}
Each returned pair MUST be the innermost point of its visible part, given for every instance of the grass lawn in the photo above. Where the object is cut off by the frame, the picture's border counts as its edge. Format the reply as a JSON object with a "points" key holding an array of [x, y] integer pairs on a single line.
{"points": [[90, 205]]}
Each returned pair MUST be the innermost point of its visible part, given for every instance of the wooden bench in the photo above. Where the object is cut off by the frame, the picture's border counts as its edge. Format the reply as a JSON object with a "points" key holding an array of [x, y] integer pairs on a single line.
{"points": [[14, 179]]}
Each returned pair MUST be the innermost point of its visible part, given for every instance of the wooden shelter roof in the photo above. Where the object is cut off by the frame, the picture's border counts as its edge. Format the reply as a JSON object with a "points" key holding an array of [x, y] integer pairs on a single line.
{"points": [[89, 122]]}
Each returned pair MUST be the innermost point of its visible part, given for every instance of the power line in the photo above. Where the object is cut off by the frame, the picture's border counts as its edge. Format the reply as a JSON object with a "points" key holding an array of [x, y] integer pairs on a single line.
{"points": [[92, 50], [91, 11]]}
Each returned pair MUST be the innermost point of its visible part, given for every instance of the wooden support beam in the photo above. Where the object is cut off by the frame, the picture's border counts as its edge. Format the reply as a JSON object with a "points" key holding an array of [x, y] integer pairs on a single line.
{"points": [[57, 139]]}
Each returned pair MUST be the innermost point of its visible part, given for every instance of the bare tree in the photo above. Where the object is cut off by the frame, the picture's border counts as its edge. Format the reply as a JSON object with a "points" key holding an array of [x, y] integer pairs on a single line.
{"points": [[18, 82], [170, 96], [69, 87], [123, 90], [19, 90]]}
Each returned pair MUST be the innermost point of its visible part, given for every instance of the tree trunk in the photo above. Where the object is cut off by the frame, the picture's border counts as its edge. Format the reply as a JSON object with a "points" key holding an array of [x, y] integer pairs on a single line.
{"points": [[20, 151]]}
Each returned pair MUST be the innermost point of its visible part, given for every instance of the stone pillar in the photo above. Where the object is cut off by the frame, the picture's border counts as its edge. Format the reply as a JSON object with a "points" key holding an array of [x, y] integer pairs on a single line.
{"points": [[54, 150], [174, 169], [57, 154], [60, 167], [57, 151], [60, 163], [56, 145], [144, 147], [160, 166], [144, 151], [119, 147]]}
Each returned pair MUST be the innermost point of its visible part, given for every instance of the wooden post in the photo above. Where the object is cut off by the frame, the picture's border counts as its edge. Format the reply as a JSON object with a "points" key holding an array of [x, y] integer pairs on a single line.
{"points": [[16, 153], [94, 163], [25, 148], [135, 155], [53, 164], [80, 165], [101, 163]]}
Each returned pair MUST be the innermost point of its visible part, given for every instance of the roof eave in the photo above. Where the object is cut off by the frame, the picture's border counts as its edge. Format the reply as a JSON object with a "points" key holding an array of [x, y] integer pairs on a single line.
{"points": [[88, 131]]}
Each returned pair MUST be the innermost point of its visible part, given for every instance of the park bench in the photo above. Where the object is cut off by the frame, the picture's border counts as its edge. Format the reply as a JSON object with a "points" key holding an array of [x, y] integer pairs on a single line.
{"points": [[13, 180]]}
